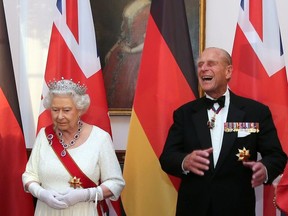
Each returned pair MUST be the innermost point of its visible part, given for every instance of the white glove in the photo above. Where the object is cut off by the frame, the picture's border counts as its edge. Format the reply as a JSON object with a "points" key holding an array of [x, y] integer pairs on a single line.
{"points": [[47, 196], [72, 196]]}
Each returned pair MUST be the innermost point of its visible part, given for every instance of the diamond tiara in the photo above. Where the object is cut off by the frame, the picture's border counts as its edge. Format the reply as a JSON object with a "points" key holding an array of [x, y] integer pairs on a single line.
{"points": [[65, 85]]}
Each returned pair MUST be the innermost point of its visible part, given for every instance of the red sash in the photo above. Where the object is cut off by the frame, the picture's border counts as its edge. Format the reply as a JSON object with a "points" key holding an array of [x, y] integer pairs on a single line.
{"points": [[73, 168]]}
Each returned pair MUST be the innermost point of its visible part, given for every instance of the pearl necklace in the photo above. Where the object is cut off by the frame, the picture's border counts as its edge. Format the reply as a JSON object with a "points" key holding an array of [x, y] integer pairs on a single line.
{"points": [[72, 142]]}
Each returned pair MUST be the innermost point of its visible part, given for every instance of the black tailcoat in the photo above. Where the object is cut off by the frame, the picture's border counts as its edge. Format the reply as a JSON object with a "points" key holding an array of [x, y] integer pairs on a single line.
{"points": [[224, 190]]}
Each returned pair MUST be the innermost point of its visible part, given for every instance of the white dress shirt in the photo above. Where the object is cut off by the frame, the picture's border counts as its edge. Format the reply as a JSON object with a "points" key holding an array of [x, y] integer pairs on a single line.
{"points": [[218, 131]]}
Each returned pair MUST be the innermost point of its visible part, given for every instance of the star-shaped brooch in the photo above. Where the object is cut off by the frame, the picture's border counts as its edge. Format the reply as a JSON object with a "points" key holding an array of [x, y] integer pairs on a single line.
{"points": [[75, 182], [243, 154]]}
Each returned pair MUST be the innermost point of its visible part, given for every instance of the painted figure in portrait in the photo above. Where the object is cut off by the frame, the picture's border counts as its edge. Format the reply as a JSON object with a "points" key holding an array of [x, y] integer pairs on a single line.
{"points": [[123, 59]]}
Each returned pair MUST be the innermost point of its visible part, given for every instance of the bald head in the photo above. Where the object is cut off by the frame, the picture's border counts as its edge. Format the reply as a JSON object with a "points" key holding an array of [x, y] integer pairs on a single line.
{"points": [[225, 56]]}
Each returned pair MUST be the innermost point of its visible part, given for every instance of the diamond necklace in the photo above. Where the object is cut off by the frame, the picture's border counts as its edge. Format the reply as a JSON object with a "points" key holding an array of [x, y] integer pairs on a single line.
{"points": [[72, 142]]}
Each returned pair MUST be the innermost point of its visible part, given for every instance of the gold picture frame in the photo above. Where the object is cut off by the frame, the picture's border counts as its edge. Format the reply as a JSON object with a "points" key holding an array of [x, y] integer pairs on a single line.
{"points": [[108, 20]]}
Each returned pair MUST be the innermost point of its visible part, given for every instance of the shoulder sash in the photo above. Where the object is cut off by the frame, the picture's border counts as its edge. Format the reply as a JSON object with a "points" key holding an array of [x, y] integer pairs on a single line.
{"points": [[71, 166], [68, 161]]}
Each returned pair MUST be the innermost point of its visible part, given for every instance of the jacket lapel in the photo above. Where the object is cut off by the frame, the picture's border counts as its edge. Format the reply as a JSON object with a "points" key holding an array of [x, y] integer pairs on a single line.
{"points": [[200, 119], [202, 129]]}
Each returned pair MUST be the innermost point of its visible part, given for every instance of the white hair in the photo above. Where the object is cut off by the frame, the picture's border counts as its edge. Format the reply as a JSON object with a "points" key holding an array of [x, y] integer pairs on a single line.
{"points": [[82, 102]]}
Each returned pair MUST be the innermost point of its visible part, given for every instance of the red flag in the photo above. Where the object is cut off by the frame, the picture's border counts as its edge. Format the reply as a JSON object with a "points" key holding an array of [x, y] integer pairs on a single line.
{"points": [[282, 192], [166, 80], [259, 69], [14, 200], [73, 55]]}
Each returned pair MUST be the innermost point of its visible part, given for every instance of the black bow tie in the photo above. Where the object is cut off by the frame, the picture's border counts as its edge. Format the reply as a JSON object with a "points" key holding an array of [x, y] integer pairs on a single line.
{"points": [[210, 103]]}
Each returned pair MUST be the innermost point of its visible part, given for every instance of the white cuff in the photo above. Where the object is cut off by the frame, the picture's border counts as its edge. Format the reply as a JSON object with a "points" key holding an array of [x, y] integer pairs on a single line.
{"points": [[184, 171]]}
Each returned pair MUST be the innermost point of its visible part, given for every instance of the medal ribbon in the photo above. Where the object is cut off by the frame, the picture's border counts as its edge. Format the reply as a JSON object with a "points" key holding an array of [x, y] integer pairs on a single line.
{"points": [[211, 124]]}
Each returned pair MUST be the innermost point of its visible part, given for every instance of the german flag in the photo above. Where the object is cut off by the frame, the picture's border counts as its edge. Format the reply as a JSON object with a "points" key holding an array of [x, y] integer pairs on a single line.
{"points": [[167, 79], [14, 201]]}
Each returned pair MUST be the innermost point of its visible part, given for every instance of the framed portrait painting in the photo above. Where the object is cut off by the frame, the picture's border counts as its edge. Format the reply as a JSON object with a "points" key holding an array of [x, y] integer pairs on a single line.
{"points": [[120, 27]]}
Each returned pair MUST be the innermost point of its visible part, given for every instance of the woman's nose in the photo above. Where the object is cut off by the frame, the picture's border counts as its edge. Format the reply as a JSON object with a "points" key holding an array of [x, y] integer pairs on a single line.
{"points": [[60, 115]]}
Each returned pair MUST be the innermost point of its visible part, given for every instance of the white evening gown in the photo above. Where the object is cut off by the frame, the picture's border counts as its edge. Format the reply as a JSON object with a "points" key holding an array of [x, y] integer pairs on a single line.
{"points": [[95, 155]]}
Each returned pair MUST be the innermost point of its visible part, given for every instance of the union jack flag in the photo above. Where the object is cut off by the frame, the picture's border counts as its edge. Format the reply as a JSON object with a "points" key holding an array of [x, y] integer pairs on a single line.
{"points": [[260, 73], [73, 54]]}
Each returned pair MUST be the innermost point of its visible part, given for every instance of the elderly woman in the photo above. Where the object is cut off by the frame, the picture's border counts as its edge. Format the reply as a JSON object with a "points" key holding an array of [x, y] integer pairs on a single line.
{"points": [[73, 165]]}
